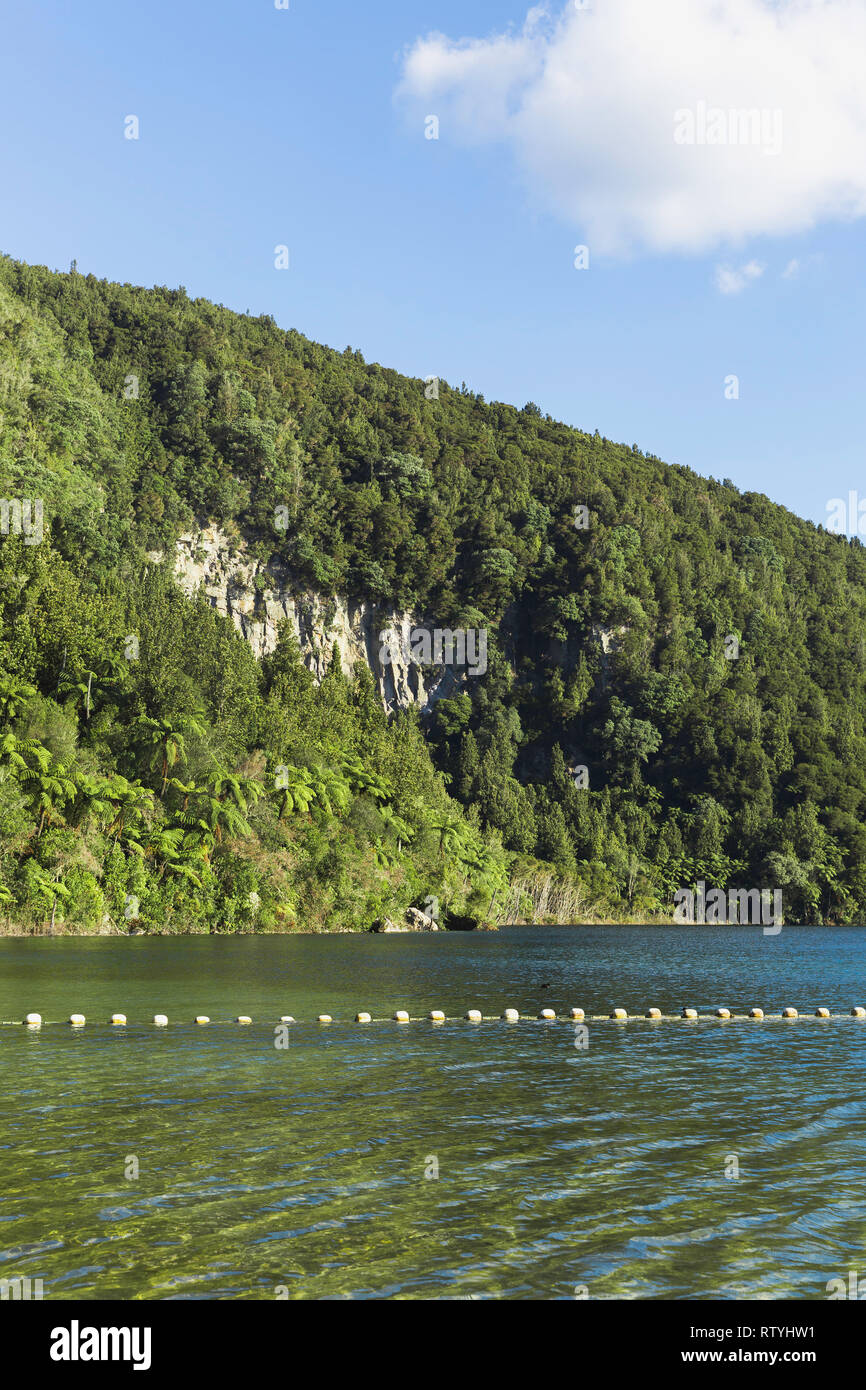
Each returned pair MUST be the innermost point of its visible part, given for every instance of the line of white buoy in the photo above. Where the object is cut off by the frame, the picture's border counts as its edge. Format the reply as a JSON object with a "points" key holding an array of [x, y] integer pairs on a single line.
{"points": [[34, 1020]]}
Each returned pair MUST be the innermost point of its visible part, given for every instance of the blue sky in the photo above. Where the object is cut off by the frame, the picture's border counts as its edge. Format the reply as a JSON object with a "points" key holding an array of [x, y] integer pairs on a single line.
{"points": [[449, 257]]}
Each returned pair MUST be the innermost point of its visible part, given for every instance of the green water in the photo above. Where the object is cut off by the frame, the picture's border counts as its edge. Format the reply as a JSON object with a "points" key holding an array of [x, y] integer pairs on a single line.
{"points": [[311, 1168]]}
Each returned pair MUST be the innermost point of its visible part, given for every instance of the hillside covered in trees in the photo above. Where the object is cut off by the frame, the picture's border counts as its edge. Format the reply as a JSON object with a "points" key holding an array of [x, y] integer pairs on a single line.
{"points": [[699, 652]]}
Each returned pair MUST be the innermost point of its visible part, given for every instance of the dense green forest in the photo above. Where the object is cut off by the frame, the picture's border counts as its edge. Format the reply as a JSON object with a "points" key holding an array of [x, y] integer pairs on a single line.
{"points": [[699, 651]]}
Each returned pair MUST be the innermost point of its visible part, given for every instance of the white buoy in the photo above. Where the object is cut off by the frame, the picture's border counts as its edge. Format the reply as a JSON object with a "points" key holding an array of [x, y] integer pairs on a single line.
{"points": [[858, 1011], [548, 1014], [325, 1018], [822, 1013], [510, 1015], [756, 1013], [286, 1018], [723, 1013], [653, 1013], [243, 1018], [436, 1016], [77, 1020], [473, 1015], [363, 1018], [160, 1020], [118, 1020], [690, 1013], [201, 1018], [401, 1016], [790, 1013], [33, 1020], [620, 1014], [577, 1014]]}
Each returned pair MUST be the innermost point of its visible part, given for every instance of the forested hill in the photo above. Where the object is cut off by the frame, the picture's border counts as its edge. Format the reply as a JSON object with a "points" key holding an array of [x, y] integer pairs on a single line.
{"points": [[698, 651]]}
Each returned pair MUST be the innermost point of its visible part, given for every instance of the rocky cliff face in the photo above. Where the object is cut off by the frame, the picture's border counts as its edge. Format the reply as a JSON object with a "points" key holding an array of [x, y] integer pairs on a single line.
{"points": [[259, 596]]}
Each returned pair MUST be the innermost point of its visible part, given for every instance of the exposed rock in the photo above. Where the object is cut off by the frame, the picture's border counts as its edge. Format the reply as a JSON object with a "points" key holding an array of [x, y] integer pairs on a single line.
{"points": [[415, 920], [566, 653], [259, 595], [419, 921], [609, 638], [610, 641]]}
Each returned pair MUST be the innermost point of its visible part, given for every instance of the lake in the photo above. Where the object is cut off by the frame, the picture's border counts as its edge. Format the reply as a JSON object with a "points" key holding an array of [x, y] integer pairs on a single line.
{"points": [[427, 1160]]}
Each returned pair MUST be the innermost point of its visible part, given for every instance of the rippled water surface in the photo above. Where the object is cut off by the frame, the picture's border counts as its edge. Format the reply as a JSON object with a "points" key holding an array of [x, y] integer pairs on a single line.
{"points": [[311, 1167]]}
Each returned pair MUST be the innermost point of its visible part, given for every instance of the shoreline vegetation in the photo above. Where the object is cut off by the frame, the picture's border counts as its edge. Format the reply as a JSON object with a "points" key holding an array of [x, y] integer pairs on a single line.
{"points": [[545, 901], [673, 687], [10, 930]]}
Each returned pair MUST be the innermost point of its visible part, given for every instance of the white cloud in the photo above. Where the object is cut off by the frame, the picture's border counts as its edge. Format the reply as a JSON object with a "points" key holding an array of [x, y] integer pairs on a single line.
{"points": [[797, 267], [630, 119], [730, 281]]}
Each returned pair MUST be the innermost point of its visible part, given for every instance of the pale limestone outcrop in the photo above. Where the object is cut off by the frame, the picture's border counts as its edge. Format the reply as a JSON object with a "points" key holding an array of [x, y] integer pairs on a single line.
{"points": [[414, 920], [610, 641], [420, 921], [258, 596]]}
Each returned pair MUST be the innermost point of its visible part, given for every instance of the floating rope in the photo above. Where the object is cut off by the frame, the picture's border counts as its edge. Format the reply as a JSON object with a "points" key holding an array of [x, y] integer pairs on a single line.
{"points": [[34, 1020]]}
